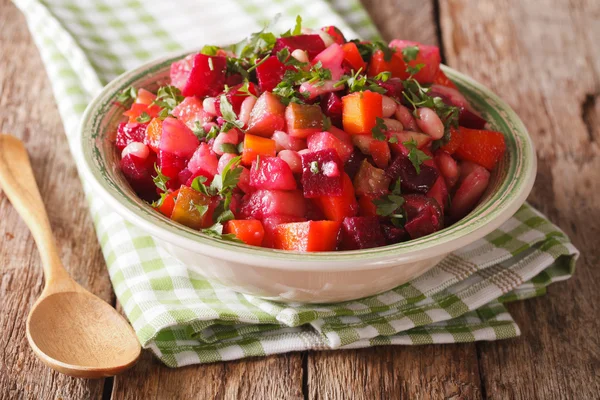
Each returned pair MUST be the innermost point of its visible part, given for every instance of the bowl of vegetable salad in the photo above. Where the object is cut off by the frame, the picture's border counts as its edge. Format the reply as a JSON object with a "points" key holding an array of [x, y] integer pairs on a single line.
{"points": [[305, 166]]}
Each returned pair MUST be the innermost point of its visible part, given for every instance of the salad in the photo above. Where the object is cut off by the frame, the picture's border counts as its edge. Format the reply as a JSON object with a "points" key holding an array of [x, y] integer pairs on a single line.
{"points": [[308, 141]]}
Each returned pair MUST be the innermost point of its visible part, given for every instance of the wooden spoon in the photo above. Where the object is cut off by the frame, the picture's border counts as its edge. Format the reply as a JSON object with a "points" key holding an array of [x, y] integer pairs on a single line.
{"points": [[68, 328]]}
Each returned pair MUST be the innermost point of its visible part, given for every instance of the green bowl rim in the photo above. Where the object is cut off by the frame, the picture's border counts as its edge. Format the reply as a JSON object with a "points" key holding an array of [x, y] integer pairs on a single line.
{"points": [[486, 217]]}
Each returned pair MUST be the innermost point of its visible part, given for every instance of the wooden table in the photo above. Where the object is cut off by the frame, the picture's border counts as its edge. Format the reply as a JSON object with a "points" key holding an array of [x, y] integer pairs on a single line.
{"points": [[544, 59]]}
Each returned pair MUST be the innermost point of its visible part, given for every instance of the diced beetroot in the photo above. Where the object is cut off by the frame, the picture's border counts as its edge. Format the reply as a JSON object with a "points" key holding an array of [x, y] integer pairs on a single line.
{"points": [[331, 58], [244, 181], [270, 223], [271, 173], [267, 116], [184, 176], [170, 166], [177, 138], [199, 75], [361, 233], [326, 140], [318, 173], [313, 44], [439, 191], [370, 180], [470, 119], [235, 97], [423, 215], [393, 234], [191, 177], [473, 183], [129, 132], [190, 111], [340, 134], [270, 73], [313, 211], [331, 104], [303, 120], [353, 164], [138, 173], [393, 88], [265, 203], [412, 182], [204, 159]]}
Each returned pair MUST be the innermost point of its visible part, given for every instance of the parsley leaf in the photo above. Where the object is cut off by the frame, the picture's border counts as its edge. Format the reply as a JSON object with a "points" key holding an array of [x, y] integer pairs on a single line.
{"points": [[216, 231], [143, 118], [198, 185], [229, 148], [160, 180], [379, 129], [201, 134], [126, 95], [410, 53], [297, 28], [415, 155], [314, 167], [167, 97], [359, 83], [387, 205], [210, 50], [228, 115]]}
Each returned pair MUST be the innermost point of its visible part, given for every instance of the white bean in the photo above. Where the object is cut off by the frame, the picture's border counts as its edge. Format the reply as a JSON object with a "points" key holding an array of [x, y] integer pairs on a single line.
{"points": [[292, 159], [404, 115], [209, 106], [393, 125], [300, 55], [137, 149], [326, 37], [246, 109], [389, 106], [430, 123]]}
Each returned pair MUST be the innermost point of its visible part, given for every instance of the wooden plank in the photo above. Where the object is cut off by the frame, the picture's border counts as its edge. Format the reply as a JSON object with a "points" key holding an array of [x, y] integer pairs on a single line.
{"points": [[542, 57], [396, 371], [275, 377], [28, 110]]}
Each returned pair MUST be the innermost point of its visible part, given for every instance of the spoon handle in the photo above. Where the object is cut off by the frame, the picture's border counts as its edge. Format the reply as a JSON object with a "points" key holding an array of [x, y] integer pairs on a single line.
{"points": [[18, 182]]}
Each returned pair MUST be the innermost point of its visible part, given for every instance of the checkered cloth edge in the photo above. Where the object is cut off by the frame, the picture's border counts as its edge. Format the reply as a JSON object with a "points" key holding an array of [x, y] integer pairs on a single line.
{"points": [[185, 319]]}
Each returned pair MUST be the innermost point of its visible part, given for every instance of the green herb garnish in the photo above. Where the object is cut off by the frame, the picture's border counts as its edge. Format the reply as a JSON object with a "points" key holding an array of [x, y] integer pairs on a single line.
{"points": [[415, 155]]}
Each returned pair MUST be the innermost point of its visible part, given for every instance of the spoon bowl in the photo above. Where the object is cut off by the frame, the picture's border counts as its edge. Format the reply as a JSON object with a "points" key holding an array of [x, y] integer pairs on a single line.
{"points": [[68, 328]]}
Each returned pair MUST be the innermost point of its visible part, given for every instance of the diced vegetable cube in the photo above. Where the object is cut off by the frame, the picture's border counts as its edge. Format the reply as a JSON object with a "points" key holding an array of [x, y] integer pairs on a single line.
{"points": [[265, 203], [361, 110], [410, 180], [336, 208], [235, 97], [272, 222], [482, 147], [271, 173], [138, 173], [190, 111], [170, 166], [327, 140], [257, 146], [168, 204], [267, 116], [428, 56], [188, 207], [370, 180], [303, 119], [249, 231], [312, 44], [366, 207], [129, 132], [322, 173], [361, 233], [199, 75], [203, 160], [270, 73], [380, 151], [177, 138], [331, 58], [423, 215], [307, 236], [353, 58], [332, 107], [153, 134]]}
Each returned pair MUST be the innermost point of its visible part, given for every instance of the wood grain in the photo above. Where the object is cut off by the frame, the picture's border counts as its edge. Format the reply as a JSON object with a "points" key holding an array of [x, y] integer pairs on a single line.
{"points": [[543, 58], [28, 111]]}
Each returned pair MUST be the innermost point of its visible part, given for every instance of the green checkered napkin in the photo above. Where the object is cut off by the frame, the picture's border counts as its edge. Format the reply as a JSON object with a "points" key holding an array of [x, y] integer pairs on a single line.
{"points": [[186, 319]]}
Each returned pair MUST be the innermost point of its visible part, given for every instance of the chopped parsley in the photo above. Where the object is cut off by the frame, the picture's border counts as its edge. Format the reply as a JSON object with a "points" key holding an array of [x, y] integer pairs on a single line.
{"points": [[379, 129], [415, 155], [229, 148], [202, 134], [127, 95], [228, 115], [167, 97], [366, 50], [160, 180], [358, 82], [143, 118], [314, 167], [390, 205]]}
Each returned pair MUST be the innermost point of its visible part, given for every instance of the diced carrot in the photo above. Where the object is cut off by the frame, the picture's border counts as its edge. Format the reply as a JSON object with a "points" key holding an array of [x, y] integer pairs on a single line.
{"points": [[303, 119], [380, 151], [137, 109], [168, 203], [256, 145], [352, 56], [480, 146], [360, 112], [454, 142], [153, 133], [366, 207], [441, 79], [307, 236], [185, 211], [336, 208], [145, 97], [249, 231], [395, 65]]}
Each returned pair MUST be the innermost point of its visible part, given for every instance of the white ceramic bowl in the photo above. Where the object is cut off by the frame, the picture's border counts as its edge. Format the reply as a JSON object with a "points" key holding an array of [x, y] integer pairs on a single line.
{"points": [[299, 277]]}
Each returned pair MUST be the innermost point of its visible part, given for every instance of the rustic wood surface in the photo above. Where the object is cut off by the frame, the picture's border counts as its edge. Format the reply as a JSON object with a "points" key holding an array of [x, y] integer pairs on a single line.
{"points": [[542, 57]]}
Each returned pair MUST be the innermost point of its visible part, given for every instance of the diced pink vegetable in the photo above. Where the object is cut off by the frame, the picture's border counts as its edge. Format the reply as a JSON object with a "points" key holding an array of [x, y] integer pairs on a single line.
{"points": [[474, 182], [272, 173], [267, 116], [204, 159], [326, 140], [229, 137], [429, 56], [293, 159], [439, 191], [287, 142], [265, 203], [331, 58], [270, 73], [199, 75], [171, 165], [177, 138], [244, 182], [312, 44], [129, 132], [323, 87], [190, 111], [138, 173]]}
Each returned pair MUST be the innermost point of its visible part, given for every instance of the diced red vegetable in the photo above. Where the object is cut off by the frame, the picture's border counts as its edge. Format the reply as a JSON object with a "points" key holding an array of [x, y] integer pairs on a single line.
{"points": [[482, 147], [168, 204], [441, 79], [322, 173], [265, 203], [257, 146], [331, 58], [177, 138], [327, 140], [411, 181], [129, 132], [170, 166], [153, 134], [271, 173], [336, 208], [370, 180], [307, 236], [366, 207], [332, 107], [335, 33], [272, 222], [270, 73], [361, 110], [235, 97], [137, 109], [353, 58], [249, 231], [190, 111], [138, 173], [267, 116], [429, 56], [423, 215], [199, 75], [361, 233], [312, 44], [203, 160], [380, 151]]}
